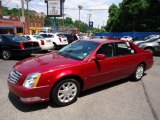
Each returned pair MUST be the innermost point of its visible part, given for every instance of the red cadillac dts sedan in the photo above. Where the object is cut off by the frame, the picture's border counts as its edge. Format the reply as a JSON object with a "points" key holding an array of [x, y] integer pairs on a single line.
{"points": [[84, 64]]}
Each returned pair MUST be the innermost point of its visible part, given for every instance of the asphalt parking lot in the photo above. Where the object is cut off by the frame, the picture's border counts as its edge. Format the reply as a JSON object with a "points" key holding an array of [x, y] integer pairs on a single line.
{"points": [[122, 100]]}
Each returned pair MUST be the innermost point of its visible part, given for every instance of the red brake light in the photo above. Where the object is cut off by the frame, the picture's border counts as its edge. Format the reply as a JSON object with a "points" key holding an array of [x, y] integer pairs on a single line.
{"points": [[42, 42], [60, 39], [21, 45]]}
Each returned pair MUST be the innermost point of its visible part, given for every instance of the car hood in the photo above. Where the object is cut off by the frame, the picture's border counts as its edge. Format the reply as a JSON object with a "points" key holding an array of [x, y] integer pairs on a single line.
{"points": [[148, 43], [43, 63], [137, 42]]}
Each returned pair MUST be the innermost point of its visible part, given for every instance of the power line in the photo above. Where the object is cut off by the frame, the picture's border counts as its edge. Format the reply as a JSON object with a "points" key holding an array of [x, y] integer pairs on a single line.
{"points": [[70, 8], [7, 2]]}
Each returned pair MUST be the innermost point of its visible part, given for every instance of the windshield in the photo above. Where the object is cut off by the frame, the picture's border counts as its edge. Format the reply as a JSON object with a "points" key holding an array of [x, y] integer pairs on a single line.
{"points": [[15, 38], [78, 50]]}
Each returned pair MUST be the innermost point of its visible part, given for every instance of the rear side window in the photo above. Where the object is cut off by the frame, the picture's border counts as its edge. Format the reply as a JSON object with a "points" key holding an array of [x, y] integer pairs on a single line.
{"points": [[124, 48], [28, 38], [43, 35], [1, 40]]}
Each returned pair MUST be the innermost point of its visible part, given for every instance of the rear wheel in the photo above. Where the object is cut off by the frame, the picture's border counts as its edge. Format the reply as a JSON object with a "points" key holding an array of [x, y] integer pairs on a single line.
{"points": [[139, 72], [6, 54], [55, 46], [65, 92]]}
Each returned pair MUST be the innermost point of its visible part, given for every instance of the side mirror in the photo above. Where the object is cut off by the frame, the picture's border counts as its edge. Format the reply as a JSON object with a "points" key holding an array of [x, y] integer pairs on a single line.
{"points": [[100, 56]]}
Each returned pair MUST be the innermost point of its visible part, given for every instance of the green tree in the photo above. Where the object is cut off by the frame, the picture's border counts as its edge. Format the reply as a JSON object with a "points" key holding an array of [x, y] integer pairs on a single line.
{"points": [[48, 22], [112, 23], [83, 27], [134, 15]]}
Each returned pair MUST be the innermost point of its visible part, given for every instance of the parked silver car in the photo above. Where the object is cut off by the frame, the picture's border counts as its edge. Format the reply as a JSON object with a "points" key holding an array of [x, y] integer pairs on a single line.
{"points": [[153, 45]]}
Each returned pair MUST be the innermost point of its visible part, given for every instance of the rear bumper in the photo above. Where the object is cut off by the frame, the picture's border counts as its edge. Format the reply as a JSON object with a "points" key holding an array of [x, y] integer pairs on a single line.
{"points": [[47, 47], [24, 52], [62, 44], [33, 95]]}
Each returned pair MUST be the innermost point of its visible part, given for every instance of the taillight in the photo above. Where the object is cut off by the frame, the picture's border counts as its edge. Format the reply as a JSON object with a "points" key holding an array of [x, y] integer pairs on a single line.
{"points": [[42, 42], [60, 39], [73, 39], [21, 45]]}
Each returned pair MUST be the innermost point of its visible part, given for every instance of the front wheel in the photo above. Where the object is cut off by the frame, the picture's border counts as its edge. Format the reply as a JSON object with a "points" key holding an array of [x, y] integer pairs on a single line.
{"points": [[139, 72], [65, 92], [6, 54]]}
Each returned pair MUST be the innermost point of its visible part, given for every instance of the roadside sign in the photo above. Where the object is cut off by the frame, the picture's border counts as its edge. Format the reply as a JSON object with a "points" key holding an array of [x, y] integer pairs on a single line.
{"points": [[54, 8], [90, 25]]}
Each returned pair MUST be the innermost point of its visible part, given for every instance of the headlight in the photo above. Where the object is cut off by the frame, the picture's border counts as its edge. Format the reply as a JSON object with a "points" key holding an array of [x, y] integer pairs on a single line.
{"points": [[32, 80]]}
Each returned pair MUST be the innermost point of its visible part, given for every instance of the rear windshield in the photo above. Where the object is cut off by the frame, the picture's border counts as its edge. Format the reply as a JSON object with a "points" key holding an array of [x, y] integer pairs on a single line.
{"points": [[38, 37], [60, 35]]}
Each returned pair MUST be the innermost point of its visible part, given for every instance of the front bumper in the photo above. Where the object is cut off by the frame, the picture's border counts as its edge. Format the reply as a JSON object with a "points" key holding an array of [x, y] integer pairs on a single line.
{"points": [[32, 95]]}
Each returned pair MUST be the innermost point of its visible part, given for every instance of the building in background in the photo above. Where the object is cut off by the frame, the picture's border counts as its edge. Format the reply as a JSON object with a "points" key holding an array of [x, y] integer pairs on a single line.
{"points": [[12, 25], [35, 26]]}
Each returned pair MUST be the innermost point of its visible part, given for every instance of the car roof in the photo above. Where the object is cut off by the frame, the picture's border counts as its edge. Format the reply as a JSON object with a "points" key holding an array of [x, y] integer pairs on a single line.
{"points": [[103, 41], [7, 34]]}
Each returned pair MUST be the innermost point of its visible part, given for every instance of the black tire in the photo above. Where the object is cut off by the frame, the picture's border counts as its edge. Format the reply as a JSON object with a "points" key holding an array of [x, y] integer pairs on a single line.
{"points": [[55, 46], [59, 98], [138, 74], [150, 50], [6, 54]]}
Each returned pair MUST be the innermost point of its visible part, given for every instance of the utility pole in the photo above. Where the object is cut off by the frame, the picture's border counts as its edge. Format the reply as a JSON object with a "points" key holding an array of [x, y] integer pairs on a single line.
{"points": [[23, 18], [89, 15], [103, 24], [28, 21], [1, 14], [63, 14], [22, 2], [80, 7]]}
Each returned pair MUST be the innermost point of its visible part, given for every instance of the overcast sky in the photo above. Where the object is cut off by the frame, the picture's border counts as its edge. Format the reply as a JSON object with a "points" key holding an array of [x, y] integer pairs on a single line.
{"points": [[99, 17]]}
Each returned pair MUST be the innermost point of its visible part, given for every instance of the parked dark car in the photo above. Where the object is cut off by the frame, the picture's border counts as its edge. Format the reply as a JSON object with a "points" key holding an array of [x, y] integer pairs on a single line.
{"points": [[138, 39], [12, 45], [70, 37], [153, 45]]}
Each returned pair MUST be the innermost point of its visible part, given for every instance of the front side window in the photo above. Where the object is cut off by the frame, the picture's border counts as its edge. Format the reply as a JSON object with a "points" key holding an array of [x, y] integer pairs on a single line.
{"points": [[49, 35], [106, 49], [124, 48]]}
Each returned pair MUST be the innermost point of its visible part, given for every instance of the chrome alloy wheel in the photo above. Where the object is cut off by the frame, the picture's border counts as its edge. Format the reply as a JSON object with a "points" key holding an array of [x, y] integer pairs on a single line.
{"points": [[139, 72], [67, 92]]}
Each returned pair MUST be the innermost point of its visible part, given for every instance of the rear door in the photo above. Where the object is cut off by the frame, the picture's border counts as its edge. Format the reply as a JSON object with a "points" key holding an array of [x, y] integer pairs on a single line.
{"points": [[126, 59]]}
